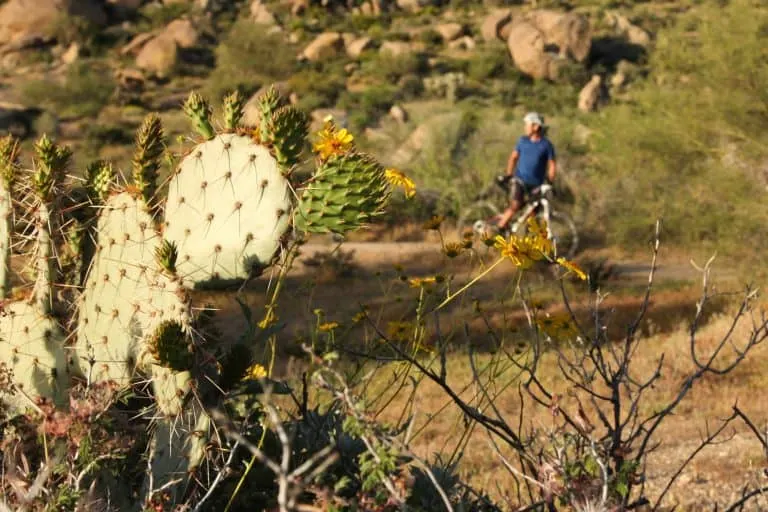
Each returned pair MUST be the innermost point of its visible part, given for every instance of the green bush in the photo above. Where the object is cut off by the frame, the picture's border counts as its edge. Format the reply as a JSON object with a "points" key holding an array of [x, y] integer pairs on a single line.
{"points": [[317, 88], [684, 149], [366, 107], [492, 61], [391, 68], [86, 89], [248, 58]]}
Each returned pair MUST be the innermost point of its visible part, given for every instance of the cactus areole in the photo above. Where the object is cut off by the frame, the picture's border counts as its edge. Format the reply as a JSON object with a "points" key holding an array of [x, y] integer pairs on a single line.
{"points": [[228, 206]]}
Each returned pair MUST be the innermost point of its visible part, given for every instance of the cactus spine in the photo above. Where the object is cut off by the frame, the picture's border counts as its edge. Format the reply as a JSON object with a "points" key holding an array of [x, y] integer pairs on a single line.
{"points": [[9, 154]]}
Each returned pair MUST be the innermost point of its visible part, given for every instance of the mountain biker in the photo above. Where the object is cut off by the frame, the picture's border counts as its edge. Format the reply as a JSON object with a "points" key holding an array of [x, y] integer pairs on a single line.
{"points": [[534, 159]]}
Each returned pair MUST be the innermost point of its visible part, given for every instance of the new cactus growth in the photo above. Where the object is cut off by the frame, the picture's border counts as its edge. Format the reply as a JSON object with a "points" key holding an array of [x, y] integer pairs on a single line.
{"points": [[233, 111], [170, 347], [146, 159], [31, 340], [51, 164], [9, 154], [198, 110], [347, 191]]}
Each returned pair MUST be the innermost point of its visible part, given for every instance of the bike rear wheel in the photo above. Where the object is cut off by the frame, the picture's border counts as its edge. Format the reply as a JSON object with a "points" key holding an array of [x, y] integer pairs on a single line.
{"points": [[481, 210]]}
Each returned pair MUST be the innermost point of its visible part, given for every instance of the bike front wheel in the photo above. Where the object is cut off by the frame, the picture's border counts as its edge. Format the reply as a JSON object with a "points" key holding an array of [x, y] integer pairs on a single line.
{"points": [[481, 210], [565, 237]]}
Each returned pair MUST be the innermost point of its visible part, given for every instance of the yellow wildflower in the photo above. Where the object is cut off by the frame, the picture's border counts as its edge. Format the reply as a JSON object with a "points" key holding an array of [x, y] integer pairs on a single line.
{"points": [[488, 240], [328, 326], [538, 237], [360, 316], [511, 249], [557, 328], [398, 179], [434, 223], [399, 331], [332, 142], [453, 249], [418, 282], [255, 372], [572, 267], [270, 318]]}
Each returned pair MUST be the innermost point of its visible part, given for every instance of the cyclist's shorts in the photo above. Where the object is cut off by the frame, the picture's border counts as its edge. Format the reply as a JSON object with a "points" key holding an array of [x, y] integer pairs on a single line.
{"points": [[519, 190]]}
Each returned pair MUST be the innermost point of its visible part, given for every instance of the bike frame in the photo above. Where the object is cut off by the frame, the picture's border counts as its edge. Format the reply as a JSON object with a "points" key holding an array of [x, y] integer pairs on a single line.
{"points": [[531, 207]]}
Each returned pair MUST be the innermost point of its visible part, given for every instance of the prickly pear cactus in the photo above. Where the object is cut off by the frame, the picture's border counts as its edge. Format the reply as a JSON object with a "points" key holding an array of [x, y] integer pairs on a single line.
{"points": [[229, 202], [128, 293], [9, 152], [348, 190], [31, 339], [177, 448], [32, 345]]}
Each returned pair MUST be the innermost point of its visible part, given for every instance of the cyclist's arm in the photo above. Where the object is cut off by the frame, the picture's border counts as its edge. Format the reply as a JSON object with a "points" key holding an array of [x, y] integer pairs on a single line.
{"points": [[512, 162], [551, 170]]}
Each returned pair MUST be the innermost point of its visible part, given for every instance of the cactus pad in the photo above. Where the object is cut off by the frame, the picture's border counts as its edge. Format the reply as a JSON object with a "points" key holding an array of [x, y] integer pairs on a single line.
{"points": [[346, 192], [126, 295], [228, 207], [32, 346]]}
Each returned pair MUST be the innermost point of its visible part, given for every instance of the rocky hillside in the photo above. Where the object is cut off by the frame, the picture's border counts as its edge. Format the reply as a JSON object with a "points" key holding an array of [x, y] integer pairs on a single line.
{"points": [[434, 87]]}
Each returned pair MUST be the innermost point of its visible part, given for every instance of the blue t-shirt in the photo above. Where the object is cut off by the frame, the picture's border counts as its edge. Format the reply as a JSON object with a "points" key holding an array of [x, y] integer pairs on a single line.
{"points": [[532, 164]]}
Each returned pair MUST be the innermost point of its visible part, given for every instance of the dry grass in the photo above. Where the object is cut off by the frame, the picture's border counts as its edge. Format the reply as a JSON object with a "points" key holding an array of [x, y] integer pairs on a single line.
{"points": [[720, 471]]}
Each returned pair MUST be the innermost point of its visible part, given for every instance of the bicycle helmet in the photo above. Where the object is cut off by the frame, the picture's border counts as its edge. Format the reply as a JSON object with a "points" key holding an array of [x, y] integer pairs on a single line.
{"points": [[534, 118]]}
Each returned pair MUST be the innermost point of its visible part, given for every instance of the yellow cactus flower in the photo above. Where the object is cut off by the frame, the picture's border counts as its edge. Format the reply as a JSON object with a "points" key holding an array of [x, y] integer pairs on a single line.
{"points": [[572, 267], [255, 372], [398, 179], [328, 326], [333, 142]]}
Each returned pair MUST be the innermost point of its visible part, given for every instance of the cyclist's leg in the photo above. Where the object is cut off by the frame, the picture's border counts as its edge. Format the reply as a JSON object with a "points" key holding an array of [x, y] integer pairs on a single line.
{"points": [[516, 196]]}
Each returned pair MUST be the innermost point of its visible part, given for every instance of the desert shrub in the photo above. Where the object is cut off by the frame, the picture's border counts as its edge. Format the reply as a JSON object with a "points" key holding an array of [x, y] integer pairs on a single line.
{"points": [[154, 15], [367, 106], [685, 147], [390, 68], [317, 88], [87, 87], [248, 58], [491, 61]]}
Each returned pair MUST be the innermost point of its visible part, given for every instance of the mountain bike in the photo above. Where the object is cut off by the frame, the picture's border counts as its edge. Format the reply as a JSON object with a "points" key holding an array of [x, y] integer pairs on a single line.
{"points": [[560, 226]]}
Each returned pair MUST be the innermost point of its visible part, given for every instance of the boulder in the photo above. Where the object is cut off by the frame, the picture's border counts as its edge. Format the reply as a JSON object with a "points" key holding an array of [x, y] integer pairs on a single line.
{"points": [[463, 43], [494, 23], [182, 31], [71, 54], [24, 18], [135, 45], [570, 32], [320, 116], [626, 28], [590, 95], [159, 56], [411, 5], [526, 46], [450, 31], [395, 48], [260, 14], [327, 44], [399, 114], [251, 109], [358, 46]]}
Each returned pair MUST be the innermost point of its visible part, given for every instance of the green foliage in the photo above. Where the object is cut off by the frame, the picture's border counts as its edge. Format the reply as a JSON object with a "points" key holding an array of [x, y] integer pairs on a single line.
{"points": [[490, 61], [317, 88], [389, 68], [86, 89], [366, 107], [684, 148], [154, 15], [248, 57]]}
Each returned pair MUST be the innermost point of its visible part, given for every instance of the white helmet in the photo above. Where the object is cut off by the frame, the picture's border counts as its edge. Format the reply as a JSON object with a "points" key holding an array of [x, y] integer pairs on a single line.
{"points": [[533, 118]]}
